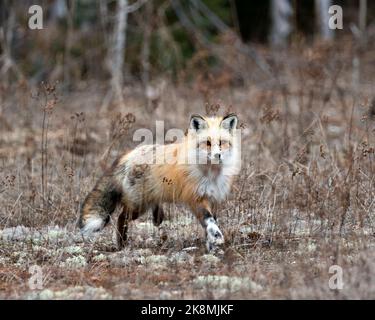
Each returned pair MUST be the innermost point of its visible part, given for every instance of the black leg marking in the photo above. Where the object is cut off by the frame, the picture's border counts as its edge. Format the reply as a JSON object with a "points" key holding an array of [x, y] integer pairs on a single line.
{"points": [[204, 216]]}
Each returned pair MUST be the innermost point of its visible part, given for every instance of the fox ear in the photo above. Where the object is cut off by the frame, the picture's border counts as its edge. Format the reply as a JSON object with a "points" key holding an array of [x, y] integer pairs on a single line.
{"points": [[229, 122], [197, 122]]}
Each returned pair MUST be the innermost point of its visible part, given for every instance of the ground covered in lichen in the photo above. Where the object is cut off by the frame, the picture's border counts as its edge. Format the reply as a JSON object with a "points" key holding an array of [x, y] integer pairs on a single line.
{"points": [[152, 267]]}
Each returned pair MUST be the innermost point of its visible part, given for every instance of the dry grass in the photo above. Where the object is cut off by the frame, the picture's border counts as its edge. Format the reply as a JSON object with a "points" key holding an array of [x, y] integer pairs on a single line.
{"points": [[304, 199]]}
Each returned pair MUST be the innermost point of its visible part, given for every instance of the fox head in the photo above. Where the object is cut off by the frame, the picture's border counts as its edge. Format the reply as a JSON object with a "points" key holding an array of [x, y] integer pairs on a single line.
{"points": [[214, 140]]}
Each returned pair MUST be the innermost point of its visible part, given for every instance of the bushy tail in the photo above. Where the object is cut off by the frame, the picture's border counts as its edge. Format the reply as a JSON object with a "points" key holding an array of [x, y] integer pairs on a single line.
{"points": [[99, 205]]}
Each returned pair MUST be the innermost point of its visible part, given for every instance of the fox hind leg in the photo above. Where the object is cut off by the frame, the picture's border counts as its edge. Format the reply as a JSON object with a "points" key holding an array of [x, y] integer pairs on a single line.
{"points": [[122, 225]]}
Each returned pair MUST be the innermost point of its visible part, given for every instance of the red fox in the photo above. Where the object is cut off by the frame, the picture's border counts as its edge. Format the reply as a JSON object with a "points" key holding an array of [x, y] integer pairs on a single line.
{"points": [[198, 172]]}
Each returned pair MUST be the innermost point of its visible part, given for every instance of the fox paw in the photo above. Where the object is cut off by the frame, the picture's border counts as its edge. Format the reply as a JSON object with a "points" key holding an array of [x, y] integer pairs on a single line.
{"points": [[215, 237]]}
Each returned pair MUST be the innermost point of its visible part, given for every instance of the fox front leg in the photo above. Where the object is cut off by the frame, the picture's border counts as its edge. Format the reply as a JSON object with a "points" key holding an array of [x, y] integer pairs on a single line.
{"points": [[214, 236]]}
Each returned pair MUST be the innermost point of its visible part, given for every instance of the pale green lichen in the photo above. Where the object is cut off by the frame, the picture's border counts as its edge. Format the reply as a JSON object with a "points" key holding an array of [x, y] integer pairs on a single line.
{"points": [[19, 233], [210, 259], [156, 260], [246, 230], [311, 247], [144, 226], [182, 258], [55, 233], [3, 261], [74, 262], [232, 284], [74, 250], [165, 295], [142, 252], [99, 258], [73, 293], [46, 294]]}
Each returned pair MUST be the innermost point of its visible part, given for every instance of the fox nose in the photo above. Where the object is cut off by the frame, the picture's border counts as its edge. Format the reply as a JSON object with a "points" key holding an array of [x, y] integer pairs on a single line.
{"points": [[217, 156]]}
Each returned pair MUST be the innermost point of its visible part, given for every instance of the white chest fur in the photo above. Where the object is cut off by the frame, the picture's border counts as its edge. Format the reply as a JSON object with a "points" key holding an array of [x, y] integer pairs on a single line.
{"points": [[214, 186]]}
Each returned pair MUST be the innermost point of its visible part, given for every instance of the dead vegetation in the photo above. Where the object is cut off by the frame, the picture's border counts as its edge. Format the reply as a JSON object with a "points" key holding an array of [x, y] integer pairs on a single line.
{"points": [[304, 200]]}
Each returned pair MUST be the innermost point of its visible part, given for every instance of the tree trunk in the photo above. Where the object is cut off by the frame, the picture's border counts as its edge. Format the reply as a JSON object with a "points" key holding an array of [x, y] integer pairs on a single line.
{"points": [[363, 20], [281, 12], [145, 55], [117, 54], [59, 10], [68, 43], [322, 19]]}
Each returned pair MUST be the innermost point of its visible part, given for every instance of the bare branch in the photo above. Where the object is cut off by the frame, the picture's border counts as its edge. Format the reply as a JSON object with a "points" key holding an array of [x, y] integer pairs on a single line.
{"points": [[221, 26], [135, 6], [215, 20]]}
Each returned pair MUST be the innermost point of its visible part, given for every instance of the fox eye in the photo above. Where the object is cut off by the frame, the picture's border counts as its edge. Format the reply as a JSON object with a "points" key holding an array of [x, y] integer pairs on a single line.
{"points": [[204, 144], [224, 144]]}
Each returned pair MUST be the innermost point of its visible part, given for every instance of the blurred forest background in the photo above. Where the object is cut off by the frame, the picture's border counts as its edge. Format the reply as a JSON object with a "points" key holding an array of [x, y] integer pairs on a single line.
{"points": [[73, 93], [139, 41]]}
